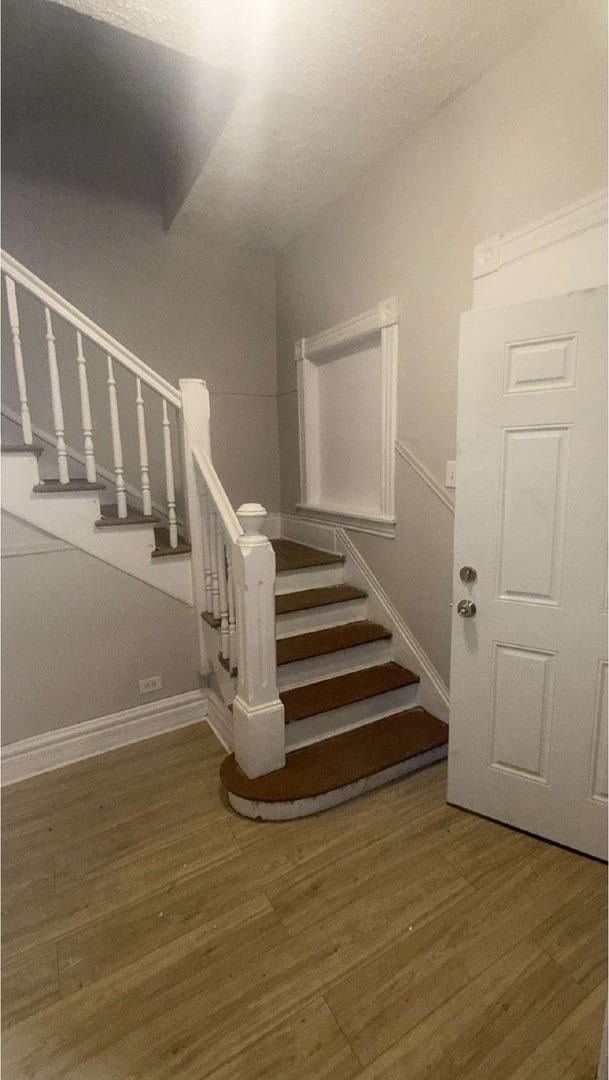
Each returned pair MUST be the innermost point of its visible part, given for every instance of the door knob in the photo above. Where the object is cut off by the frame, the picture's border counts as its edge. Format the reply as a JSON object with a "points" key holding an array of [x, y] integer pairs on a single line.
{"points": [[467, 573], [466, 609]]}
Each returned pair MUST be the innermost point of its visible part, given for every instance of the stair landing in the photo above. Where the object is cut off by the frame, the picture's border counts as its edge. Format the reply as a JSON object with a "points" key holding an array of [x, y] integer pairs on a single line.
{"points": [[337, 769]]}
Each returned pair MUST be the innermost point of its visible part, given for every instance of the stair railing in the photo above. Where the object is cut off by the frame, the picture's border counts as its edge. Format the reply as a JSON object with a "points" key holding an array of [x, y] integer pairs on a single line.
{"points": [[233, 562], [234, 586], [55, 306]]}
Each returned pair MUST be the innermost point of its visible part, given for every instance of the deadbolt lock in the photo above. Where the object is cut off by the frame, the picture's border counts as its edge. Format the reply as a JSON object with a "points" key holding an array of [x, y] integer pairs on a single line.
{"points": [[467, 573]]}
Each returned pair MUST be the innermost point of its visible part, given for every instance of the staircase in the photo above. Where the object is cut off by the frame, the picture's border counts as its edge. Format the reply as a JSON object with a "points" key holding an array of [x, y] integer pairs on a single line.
{"points": [[319, 709]]}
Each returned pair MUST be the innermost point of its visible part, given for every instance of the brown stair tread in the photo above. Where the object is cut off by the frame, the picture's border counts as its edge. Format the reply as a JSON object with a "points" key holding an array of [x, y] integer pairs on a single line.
{"points": [[164, 548], [21, 448], [312, 598], [110, 518], [209, 618], [55, 487], [330, 639], [291, 556], [341, 760], [319, 697]]}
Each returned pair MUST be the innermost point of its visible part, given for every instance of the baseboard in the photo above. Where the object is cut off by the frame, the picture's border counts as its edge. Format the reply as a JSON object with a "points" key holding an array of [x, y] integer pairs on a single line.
{"points": [[54, 749], [220, 720]]}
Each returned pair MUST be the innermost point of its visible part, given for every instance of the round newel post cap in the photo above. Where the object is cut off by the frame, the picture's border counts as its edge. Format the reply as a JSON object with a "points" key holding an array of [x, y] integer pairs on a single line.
{"points": [[251, 518]]}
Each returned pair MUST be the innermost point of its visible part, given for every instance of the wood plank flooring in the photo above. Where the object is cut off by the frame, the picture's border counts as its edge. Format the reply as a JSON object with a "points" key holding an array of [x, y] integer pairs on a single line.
{"points": [[149, 932]]}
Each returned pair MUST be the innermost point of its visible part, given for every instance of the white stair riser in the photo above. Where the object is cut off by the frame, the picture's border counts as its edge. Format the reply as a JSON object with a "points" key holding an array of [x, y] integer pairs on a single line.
{"points": [[301, 672], [324, 725], [311, 577], [71, 518], [300, 622]]}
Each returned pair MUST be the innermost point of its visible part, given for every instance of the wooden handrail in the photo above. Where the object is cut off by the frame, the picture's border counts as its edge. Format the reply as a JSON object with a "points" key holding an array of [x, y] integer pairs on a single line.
{"points": [[217, 493], [62, 307]]}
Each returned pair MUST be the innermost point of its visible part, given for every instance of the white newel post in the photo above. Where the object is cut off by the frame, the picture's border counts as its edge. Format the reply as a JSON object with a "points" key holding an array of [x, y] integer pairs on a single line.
{"points": [[195, 414], [258, 716]]}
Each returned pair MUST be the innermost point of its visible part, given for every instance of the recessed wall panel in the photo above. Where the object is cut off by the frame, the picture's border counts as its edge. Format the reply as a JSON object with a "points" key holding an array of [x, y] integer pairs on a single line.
{"points": [[522, 692], [533, 486], [546, 364]]}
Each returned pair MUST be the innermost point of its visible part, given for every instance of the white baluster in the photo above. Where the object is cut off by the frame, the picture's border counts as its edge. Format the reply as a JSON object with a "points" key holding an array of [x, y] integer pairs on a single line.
{"points": [[13, 318], [85, 413], [206, 511], [213, 551], [232, 615], [143, 445], [169, 480], [56, 403], [223, 586], [117, 448]]}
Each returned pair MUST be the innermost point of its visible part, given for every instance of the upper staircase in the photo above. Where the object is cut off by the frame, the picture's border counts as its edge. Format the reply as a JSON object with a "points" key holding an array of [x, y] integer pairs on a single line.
{"points": [[317, 706]]}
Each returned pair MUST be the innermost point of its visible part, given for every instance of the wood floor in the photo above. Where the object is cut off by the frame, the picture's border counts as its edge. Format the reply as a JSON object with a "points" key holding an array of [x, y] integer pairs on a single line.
{"points": [[150, 932]]}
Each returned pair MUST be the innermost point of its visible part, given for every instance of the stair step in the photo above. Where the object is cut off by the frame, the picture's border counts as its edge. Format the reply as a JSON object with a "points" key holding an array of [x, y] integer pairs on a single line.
{"points": [[292, 556], [21, 448], [329, 772], [164, 548], [327, 694], [110, 518], [331, 639], [312, 598], [55, 487]]}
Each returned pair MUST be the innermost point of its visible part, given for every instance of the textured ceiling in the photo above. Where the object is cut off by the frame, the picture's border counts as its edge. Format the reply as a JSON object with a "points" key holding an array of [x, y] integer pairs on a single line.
{"points": [[329, 85]]}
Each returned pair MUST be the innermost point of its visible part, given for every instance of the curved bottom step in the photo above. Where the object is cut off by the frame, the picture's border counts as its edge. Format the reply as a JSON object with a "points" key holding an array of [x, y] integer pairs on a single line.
{"points": [[338, 769]]}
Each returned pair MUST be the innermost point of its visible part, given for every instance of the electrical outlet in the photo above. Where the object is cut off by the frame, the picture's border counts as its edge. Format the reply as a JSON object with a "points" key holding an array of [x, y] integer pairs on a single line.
{"points": [[149, 685], [451, 474]]}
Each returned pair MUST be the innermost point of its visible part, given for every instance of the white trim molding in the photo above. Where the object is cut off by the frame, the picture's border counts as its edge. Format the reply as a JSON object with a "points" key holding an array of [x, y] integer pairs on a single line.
{"points": [[379, 325], [496, 251], [220, 720], [368, 523], [564, 252], [428, 478], [54, 749]]}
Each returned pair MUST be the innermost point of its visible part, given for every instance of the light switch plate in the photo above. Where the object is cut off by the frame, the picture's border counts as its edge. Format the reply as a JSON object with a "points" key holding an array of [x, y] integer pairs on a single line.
{"points": [[451, 474]]}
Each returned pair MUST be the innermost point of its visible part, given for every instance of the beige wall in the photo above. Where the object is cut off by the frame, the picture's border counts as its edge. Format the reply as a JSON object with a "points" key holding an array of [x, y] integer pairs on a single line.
{"points": [[77, 635], [525, 139], [186, 308]]}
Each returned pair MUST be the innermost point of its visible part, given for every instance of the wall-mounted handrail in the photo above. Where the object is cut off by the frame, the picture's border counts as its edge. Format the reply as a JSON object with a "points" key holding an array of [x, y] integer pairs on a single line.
{"points": [[109, 345]]}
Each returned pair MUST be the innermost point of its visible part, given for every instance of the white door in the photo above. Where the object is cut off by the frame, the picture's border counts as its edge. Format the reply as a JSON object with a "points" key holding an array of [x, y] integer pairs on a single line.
{"points": [[528, 735]]}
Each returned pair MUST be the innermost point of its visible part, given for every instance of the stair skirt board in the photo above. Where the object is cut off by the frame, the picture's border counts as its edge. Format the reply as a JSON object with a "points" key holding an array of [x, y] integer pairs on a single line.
{"points": [[324, 725], [286, 811], [55, 749]]}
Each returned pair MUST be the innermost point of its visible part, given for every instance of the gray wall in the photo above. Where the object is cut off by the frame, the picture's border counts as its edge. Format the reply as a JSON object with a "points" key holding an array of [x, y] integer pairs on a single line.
{"points": [[186, 308], [525, 139], [77, 635]]}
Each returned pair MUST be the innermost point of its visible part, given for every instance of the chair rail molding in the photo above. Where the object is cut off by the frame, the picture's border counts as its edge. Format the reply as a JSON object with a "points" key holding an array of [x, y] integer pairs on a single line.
{"points": [[366, 345], [426, 476]]}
